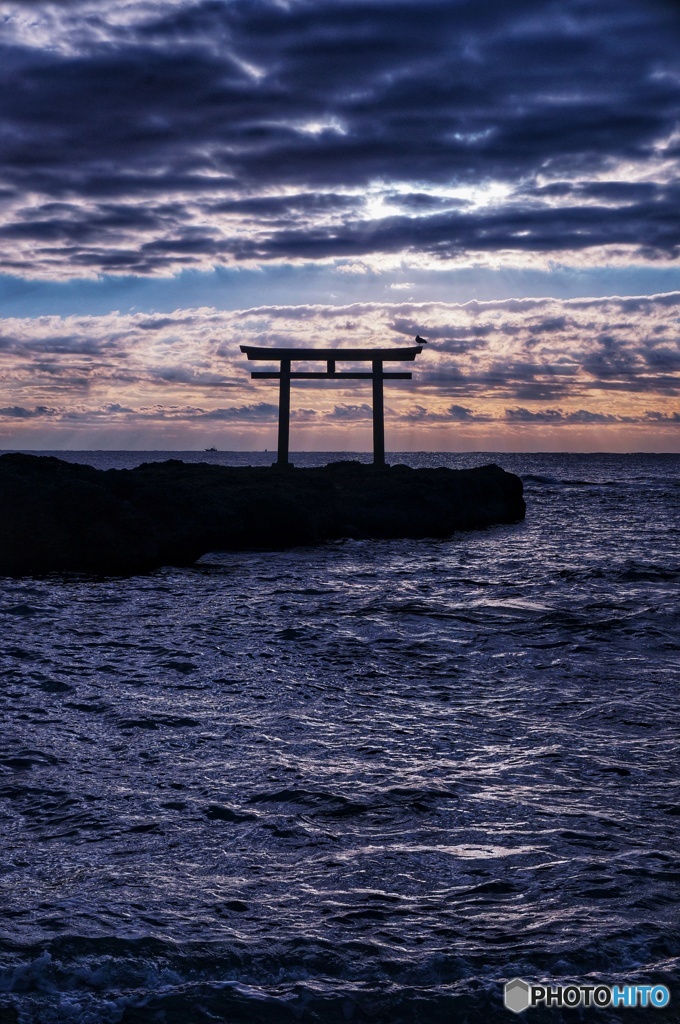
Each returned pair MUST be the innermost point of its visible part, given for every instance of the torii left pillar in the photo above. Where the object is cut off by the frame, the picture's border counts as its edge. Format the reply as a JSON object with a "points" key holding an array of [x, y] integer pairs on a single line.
{"points": [[378, 414], [284, 414]]}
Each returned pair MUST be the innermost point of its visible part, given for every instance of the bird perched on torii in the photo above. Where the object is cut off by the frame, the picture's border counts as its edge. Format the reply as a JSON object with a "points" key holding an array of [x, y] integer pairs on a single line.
{"points": [[420, 341]]}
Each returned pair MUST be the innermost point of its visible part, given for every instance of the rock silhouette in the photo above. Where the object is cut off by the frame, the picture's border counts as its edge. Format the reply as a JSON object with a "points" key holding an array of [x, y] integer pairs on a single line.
{"points": [[60, 516]]}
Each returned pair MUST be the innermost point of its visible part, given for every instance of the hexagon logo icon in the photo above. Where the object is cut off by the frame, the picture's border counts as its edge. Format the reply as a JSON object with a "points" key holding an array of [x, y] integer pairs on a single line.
{"points": [[516, 995]]}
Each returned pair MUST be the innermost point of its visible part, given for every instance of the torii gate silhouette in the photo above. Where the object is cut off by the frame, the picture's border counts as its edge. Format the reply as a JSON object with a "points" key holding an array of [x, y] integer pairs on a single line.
{"points": [[376, 356]]}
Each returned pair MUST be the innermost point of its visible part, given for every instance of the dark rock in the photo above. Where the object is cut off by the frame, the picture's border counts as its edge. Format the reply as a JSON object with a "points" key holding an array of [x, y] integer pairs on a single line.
{"points": [[58, 516]]}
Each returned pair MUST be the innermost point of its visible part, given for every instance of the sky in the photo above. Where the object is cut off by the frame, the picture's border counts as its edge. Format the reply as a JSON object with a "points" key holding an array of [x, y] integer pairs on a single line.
{"points": [[180, 177]]}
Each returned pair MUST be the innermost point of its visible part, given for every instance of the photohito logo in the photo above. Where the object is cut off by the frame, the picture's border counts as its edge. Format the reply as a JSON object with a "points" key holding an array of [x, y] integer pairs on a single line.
{"points": [[520, 995]]}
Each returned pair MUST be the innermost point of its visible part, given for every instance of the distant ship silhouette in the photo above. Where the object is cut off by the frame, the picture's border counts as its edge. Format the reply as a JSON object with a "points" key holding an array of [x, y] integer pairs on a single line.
{"points": [[210, 449]]}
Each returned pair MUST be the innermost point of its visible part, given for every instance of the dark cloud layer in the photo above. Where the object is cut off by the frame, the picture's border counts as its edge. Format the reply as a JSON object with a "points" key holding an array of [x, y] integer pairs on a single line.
{"points": [[146, 137]]}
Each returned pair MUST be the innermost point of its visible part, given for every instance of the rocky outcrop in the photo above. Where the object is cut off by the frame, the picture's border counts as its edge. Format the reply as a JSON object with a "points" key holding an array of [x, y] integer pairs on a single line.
{"points": [[57, 516]]}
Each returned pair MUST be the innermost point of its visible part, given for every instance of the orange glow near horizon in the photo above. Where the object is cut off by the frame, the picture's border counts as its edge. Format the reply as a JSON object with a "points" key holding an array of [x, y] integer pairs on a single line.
{"points": [[513, 375]]}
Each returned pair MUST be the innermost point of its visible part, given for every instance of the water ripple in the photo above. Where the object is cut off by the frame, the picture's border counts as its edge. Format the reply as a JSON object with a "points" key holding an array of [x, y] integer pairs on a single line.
{"points": [[367, 781]]}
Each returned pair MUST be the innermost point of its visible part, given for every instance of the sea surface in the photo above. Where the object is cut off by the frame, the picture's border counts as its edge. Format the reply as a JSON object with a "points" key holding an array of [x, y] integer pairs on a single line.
{"points": [[364, 781]]}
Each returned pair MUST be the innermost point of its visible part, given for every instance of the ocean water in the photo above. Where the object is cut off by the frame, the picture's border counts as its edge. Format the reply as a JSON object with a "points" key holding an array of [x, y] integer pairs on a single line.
{"points": [[366, 781]]}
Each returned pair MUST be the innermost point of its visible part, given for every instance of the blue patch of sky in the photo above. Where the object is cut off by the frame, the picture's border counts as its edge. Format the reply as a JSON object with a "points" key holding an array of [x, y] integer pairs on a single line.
{"points": [[285, 285]]}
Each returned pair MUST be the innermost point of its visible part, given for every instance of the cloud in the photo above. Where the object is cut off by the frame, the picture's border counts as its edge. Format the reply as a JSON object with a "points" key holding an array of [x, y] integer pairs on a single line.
{"points": [[148, 137], [258, 413], [189, 375], [646, 228], [522, 415], [662, 417], [579, 363], [20, 413], [351, 412], [580, 416], [454, 414]]}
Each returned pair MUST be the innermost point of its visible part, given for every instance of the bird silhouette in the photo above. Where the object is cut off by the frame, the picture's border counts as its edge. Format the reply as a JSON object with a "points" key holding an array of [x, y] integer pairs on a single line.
{"points": [[420, 341]]}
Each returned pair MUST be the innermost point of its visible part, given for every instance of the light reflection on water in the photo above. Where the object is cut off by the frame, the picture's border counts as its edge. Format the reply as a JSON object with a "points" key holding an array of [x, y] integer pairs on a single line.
{"points": [[364, 781]]}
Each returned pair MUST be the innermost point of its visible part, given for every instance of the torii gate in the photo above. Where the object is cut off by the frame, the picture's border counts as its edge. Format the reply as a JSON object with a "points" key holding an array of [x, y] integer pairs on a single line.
{"points": [[376, 356]]}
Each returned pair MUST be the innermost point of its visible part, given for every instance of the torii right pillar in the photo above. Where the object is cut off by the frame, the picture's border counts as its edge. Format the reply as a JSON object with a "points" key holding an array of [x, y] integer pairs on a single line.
{"points": [[378, 414]]}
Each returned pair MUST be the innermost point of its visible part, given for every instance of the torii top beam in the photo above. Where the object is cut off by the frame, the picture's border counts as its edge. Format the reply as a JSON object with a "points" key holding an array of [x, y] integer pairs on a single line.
{"points": [[339, 354]]}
